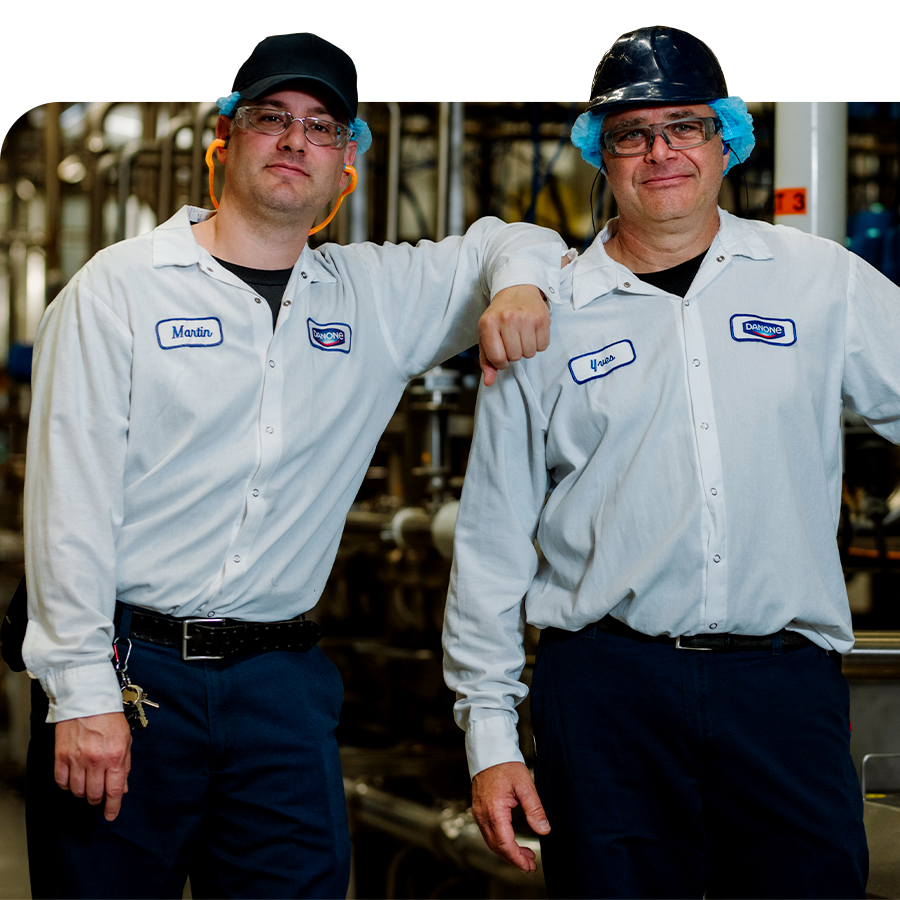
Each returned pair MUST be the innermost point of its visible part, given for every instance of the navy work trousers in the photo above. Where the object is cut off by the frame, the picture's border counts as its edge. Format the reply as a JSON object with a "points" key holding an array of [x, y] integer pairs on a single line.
{"points": [[684, 773], [235, 781]]}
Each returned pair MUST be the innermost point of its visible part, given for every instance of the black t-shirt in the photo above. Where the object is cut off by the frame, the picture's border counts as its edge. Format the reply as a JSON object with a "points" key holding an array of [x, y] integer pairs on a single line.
{"points": [[269, 283], [676, 280]]}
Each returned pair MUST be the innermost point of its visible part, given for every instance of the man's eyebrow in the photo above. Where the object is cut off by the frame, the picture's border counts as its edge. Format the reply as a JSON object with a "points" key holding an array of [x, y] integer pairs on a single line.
{"points": [[280, 104], [643, 120]]}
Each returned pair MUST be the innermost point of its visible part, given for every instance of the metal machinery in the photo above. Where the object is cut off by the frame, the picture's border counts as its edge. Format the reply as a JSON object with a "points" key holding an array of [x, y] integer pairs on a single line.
{"points": [[76, 177]]}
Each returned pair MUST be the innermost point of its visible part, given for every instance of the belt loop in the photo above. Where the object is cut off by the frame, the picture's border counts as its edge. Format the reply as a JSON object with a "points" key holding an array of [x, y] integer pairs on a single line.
{"points": [[122, 620], [591, 632], [776, 644]]}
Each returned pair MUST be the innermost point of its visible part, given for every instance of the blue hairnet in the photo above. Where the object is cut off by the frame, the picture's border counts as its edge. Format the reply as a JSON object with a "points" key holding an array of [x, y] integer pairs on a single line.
{"points": [[227, 105], [737, 132], [586, 137], [737, 128], [359, 131]]}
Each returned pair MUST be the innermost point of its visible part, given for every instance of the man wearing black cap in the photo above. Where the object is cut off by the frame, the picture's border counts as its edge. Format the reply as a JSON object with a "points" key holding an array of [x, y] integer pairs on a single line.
{"points": [[207, 398], [676, 454]]}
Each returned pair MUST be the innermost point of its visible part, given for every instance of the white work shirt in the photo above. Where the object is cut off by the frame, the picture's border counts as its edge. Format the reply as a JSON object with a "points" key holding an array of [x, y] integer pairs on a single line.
{"points": [[678, 460], [185, 459]]}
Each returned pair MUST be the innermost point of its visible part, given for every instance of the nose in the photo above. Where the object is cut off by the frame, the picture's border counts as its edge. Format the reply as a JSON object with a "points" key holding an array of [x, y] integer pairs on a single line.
{"points": [[293, 137], [659, 146]]}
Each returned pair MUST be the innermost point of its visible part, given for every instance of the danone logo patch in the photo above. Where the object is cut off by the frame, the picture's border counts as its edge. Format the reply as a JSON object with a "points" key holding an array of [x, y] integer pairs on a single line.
{"points": [[174, 333], [767, 331], [601, 362], [331, 336]]}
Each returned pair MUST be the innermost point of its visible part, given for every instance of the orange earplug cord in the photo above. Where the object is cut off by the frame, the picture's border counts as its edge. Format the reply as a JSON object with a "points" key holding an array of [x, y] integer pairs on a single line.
{"points": [[218, 142]]}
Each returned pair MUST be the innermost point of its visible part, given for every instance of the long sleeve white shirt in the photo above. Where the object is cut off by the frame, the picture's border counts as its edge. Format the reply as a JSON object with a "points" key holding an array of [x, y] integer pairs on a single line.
{"points": [[678, 460], [185, 459]]}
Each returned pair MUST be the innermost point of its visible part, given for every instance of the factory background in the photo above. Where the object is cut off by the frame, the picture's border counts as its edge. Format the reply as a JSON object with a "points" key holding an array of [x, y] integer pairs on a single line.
{"points": [[76, 177]]}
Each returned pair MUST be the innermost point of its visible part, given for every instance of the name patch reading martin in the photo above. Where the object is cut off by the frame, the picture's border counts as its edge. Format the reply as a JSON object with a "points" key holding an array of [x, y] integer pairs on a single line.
{"points": [[174, 333], [331, 336], [767, 331], [593, 365]]}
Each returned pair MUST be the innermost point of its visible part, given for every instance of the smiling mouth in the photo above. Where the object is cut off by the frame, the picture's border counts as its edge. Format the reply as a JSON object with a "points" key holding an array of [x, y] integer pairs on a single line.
{"points": [[667, 179], [285, 167]]}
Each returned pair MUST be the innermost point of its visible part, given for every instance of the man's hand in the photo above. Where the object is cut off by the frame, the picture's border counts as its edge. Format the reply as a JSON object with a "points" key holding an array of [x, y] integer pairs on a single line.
{"points": [[93, 758], [495, 792], [516, 324]]}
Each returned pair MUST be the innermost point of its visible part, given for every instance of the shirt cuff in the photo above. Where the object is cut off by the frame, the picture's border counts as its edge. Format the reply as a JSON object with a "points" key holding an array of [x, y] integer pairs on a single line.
{"points": [[490, 742], [543, 273], [82, 691]]}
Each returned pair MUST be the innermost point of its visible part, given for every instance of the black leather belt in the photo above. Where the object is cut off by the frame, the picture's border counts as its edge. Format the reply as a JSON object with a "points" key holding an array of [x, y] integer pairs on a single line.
{"points": [[205, 638], [788, 640]]}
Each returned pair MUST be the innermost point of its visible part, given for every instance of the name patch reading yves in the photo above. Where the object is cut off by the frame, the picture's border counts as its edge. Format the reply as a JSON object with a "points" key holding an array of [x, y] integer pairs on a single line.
{"points": [[601, 362]]}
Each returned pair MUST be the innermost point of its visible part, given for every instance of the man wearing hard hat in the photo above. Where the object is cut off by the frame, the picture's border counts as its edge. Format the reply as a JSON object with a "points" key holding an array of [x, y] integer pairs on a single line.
{"points": [[207, 398], [676, 455]]}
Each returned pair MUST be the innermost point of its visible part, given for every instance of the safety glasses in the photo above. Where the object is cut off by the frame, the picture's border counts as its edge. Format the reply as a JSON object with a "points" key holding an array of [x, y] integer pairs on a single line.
{"points": [[679, 134], [322, 132]]}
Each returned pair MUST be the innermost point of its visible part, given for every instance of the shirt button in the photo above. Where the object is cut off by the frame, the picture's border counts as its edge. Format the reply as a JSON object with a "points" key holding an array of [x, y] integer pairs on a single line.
{"points": [[269, 429], [211, 614], [271, 363], [237, 559], [208, 269], [717, 558], [304, 275], [257, 300], [286, 303], [714, 492], [720, 259], [696, 362], [687, 302], [627, 284], [704, 425], [551, 290], [255, 492], [713, 626]]}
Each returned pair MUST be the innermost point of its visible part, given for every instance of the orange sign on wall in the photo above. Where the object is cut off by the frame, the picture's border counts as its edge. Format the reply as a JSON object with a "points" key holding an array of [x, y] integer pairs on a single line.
{"points": [[790, 201]]}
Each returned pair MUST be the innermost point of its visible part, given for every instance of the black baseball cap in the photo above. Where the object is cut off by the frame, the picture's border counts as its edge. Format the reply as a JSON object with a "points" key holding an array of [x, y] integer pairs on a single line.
{"points": [[282, 58]]}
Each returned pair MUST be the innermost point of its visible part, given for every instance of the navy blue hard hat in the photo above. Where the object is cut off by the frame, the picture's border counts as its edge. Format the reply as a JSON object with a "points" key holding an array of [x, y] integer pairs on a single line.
{"points": [[283, 58], [656, 65]]}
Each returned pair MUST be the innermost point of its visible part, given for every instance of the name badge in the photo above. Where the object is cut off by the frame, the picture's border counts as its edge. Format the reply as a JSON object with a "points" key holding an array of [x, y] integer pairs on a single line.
{"points": [[333, 336], [174, 333], [601, 362], [767, 331]]}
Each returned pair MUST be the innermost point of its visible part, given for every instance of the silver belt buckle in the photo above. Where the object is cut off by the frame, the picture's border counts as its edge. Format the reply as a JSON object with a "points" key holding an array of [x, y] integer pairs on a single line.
{"points": [[185, 637], [680, 646]]}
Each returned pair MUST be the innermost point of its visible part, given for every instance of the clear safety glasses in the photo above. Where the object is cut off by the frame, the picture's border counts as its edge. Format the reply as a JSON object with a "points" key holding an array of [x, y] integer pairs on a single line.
{"points": [[322, 132], [679, 134]]}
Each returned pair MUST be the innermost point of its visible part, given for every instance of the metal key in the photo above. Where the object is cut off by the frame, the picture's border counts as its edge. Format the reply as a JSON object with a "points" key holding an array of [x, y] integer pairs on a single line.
{"points": [[133, 699]]}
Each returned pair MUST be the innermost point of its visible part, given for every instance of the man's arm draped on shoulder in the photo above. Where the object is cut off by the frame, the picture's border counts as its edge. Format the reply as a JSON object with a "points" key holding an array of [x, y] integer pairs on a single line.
{"points": [[494, 565], [430, 296]]}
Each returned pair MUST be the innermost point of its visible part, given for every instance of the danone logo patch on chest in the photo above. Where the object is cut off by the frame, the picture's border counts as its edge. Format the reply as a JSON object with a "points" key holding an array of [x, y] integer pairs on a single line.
{"points": [[174, 333], [330, 336], [601, 362], [782, 332]]}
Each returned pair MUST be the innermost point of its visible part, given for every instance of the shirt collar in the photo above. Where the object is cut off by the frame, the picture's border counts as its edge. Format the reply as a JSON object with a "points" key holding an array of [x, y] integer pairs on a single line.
{"points": [[174, 245], [596, 273]]}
